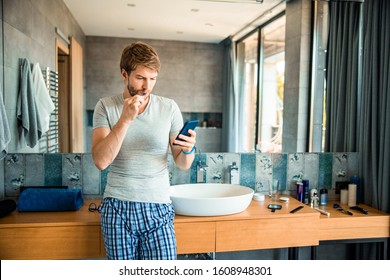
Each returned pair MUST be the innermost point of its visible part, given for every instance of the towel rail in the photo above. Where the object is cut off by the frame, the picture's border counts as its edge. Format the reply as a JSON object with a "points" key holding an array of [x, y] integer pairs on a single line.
{"points": [[51, 137]]}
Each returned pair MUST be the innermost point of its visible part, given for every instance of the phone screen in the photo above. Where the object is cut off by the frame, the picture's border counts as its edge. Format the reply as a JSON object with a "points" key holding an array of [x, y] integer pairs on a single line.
{"points": [[192, 124]]}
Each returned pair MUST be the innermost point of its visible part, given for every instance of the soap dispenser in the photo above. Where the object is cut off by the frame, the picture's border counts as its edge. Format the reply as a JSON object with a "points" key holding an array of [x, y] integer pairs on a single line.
{"points": [[234, 174]]}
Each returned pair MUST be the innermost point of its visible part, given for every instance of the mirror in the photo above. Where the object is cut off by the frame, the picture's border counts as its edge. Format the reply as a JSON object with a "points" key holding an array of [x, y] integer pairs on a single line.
{"points": [[192, 74]]}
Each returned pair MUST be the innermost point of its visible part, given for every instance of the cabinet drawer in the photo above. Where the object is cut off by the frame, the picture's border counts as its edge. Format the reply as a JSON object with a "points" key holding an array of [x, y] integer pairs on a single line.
{"points": [[69, 242], [195, 237], [266, 234]]}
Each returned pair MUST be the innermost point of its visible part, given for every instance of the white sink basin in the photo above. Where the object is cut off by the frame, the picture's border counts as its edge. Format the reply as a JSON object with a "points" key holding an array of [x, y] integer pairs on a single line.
{"points": [[210, 199]]}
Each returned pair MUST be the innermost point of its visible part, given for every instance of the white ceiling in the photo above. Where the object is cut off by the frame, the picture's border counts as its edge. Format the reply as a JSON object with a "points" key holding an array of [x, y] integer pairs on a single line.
{"points": [[207, 21]]}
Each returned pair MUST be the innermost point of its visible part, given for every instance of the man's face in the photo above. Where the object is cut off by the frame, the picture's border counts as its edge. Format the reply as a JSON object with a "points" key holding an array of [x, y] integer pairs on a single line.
{"points": [[141, 81]]}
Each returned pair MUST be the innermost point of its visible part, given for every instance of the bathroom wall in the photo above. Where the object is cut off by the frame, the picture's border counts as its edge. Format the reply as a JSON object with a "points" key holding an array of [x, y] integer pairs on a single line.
{"points": [[29, 32], [256, 170]]}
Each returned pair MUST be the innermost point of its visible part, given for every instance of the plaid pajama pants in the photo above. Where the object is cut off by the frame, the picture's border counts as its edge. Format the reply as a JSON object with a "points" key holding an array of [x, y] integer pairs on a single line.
{"points": [[138, 230]]}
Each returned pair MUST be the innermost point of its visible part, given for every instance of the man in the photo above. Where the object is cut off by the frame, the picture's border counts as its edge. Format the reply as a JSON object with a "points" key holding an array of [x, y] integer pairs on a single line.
{"points": [[132, 134]]}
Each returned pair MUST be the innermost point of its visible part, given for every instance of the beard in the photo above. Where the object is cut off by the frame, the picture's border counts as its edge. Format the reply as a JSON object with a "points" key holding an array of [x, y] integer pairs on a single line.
{"points": [[133, 91]]}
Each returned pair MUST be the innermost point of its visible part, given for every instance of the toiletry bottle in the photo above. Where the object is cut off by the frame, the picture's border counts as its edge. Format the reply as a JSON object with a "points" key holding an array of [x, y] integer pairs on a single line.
{"points": [[323, 196], [234, 174], [305, 191], [356, 180], [300, 191], [314, 200]]}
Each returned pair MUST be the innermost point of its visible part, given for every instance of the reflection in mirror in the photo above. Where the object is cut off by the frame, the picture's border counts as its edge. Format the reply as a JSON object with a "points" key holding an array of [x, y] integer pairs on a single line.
{"points": [[261, 67]]}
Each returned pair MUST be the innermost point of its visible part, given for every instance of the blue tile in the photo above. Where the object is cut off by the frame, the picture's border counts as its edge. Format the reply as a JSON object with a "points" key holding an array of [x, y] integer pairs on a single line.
{"points": [[35, 175], [340, 166], [228, 159], [171, 164], [72, 171], [295, 169], [325, 171], [279, 163], [215, 171], [248, 170], [180, 176], [14, 175], [264, 171], [103, 179], [311, 169], [53, 169], [2, 189], [203, 158], [176, 175], [353, 164], [90, 176]]}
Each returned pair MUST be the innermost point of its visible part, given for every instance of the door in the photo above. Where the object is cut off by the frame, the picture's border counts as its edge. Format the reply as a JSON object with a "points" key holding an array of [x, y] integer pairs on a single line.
{"points": [[76, 98], [70, 97]]}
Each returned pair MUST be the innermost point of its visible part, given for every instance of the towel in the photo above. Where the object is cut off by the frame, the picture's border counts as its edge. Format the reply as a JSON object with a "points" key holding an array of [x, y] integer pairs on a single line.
{"points": [[45, 105], [5, 135], [28, 121], [50, 199]]}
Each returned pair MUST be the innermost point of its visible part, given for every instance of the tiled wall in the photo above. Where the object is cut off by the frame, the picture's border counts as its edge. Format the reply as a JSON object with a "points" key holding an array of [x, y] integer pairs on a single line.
{"points": [[78, 171]]}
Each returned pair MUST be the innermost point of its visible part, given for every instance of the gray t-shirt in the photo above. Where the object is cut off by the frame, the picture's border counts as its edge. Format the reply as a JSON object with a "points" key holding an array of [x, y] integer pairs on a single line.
{"points": [[140, 170]]}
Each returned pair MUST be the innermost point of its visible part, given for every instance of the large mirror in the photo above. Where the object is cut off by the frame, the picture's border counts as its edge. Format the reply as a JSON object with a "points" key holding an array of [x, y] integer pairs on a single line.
{"points": [[193, 74]]}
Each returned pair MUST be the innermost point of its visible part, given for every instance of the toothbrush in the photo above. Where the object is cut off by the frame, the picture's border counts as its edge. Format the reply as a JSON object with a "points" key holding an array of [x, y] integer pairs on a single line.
{"points": [[322, 211]]}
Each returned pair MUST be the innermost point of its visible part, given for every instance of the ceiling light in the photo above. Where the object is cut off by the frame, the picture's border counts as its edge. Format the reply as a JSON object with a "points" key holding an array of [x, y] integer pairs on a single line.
{"points": [[194, 10], [130, 29], [209, 24], [131, 5]]}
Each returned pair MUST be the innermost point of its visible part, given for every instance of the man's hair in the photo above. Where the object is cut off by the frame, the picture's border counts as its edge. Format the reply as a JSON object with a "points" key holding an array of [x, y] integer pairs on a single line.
{"points": [[139, 53]]}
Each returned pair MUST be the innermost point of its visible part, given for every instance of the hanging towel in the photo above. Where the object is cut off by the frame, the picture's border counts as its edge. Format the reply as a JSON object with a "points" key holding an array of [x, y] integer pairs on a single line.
{"points": [[42, 97], [5, 135], [50, 199], [28, 122]]}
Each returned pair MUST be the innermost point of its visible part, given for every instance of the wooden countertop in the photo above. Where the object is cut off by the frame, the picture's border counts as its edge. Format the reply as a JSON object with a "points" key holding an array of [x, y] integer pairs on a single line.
{"points": [[257, 210], [337, 226], [81, 217]]}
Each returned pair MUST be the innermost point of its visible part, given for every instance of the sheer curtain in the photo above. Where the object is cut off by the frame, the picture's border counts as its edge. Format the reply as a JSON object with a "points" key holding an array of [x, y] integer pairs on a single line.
{"points": [[374, 137], [230, 101]]}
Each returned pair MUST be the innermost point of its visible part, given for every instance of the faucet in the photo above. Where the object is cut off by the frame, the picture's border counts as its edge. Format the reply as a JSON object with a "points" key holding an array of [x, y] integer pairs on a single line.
{"points": [[200, 170], [234, 176]]}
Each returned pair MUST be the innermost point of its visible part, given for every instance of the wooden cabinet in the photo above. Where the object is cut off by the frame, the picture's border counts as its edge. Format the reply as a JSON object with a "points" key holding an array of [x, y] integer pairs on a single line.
{"points": [[51, 235], [62, 242], [341, 226], [195, 237], [77, 234], [266, 233]]}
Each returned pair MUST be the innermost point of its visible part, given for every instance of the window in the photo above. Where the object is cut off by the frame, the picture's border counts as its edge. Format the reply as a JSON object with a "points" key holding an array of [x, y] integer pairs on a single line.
{"points": [[261, 72]]}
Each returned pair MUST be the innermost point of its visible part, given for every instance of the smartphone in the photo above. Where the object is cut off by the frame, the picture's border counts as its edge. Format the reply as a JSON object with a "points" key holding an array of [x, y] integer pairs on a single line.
{"points": [[192, 124]]}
